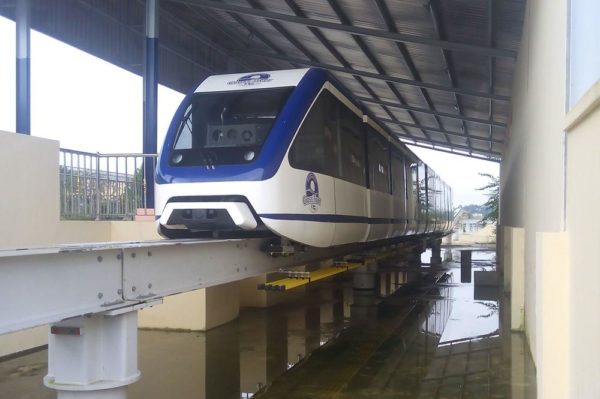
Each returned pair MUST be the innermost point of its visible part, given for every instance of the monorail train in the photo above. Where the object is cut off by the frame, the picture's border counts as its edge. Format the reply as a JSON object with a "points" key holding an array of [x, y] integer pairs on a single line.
{"points": [[290, 153]]}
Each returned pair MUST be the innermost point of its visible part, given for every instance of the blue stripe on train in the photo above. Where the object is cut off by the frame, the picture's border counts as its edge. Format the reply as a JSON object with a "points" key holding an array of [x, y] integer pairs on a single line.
{"points": [[329, 218]]}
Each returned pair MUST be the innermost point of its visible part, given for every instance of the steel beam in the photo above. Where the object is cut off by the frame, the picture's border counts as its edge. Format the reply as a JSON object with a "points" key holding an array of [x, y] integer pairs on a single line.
{"points": [[484, 155], [491, 61], [397, 37], [443, 144], [412, 69], [434, 129], [75, 280], [447, 60], [376, 76], [339, 12], [150, 95], [23, 67], [428, 111]]}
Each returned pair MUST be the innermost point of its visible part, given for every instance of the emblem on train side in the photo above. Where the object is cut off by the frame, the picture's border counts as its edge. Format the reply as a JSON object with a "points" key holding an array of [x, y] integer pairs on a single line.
{"points": [[311, 193], [252, 79]]}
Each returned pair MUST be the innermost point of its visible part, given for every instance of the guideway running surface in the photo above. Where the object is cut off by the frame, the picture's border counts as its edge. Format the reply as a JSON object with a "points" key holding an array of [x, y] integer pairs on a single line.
{"points": [[45, 285]]}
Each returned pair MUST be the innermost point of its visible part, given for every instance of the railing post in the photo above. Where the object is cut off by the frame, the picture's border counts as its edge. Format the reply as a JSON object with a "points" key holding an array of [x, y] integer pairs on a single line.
{"points": [[97, 186]]}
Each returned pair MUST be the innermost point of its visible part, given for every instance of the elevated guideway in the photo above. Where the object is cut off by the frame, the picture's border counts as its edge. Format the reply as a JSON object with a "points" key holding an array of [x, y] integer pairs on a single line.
{"points": [[90, 295]]}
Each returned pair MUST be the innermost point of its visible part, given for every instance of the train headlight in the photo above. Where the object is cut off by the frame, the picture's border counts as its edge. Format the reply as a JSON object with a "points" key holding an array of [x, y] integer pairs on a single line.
{"points": [[249, 155], [177, 158]]}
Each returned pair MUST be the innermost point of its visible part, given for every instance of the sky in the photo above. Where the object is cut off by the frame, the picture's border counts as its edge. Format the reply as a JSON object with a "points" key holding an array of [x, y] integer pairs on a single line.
{"points": [[91, 105]]}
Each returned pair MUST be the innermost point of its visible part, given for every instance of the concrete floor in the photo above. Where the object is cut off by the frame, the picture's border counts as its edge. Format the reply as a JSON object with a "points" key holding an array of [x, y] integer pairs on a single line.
{"points": [[432, 342]]}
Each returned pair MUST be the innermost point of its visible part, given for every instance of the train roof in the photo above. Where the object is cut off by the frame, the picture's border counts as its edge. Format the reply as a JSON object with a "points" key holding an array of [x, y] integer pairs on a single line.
{"points": [[253, 80]]}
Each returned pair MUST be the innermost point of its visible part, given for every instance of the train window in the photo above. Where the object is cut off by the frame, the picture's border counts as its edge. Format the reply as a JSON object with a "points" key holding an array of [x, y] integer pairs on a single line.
{"points": [[315, 145], [431, 198], [412, 189], [379, 160], [226, 127], [398, 185], [352, 151], [423, 204]]}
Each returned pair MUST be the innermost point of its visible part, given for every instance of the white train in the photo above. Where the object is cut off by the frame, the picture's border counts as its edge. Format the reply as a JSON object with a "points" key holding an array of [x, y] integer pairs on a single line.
{"points": [[289, 153]]}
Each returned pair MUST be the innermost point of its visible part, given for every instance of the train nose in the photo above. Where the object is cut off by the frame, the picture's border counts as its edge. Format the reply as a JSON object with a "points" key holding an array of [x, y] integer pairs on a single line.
{"points": [[209, 215]]}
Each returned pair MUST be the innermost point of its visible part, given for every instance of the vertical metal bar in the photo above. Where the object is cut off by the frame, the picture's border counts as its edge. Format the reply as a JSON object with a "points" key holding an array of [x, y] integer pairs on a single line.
{"points": [[135, 184], [78, 185], [23, 67], [491, 67], [127, 186], [87, 187], [97, 212], [144, 183], [71, 182], [150, 93], [117, 196]]}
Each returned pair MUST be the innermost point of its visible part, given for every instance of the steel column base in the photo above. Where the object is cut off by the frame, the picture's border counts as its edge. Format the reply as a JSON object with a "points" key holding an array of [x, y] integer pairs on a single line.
{"points": [[93, 357]]}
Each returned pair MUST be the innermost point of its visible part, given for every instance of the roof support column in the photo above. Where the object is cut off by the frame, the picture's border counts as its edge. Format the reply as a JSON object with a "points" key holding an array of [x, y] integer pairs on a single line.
{"points": [[150, 96], [23, 24]]}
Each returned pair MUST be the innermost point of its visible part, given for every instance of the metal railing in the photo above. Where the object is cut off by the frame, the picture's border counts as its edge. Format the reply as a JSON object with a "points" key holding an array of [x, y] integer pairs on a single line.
{"points": [[103, 186]]}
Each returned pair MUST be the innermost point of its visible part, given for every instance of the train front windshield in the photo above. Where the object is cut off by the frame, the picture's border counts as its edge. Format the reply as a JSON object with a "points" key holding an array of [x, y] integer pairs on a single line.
{"points": [[229, 127]]}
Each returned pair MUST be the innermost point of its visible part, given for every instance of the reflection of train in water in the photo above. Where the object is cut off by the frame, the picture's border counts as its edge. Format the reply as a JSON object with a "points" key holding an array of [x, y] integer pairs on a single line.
{"points": [[289, 153]]}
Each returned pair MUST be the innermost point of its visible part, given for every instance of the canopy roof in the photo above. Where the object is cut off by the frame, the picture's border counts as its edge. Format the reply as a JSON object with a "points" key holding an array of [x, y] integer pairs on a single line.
{"points": [[436, 73]]}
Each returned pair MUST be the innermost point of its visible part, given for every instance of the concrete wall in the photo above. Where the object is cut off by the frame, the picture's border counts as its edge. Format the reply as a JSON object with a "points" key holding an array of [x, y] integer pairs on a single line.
{"points": [[550, 188], [583, 219], [532, 171]]}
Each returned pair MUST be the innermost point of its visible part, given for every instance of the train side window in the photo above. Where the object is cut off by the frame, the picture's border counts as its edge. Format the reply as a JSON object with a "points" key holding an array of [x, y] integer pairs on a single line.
{"points": [[398, 186], [379, 168], [352, 153], [423, 200], [315, 146]]}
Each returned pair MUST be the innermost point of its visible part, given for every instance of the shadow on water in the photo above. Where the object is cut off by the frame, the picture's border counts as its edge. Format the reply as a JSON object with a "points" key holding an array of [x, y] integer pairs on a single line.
{"points": [[443, 340]]}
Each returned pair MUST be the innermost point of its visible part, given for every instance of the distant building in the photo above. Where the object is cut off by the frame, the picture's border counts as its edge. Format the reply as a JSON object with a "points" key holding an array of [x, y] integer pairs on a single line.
{"points": [[470, 228]]}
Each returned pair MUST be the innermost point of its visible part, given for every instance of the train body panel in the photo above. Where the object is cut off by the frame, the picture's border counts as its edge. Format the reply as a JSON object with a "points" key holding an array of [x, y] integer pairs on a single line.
{"points": [[288, 152]]}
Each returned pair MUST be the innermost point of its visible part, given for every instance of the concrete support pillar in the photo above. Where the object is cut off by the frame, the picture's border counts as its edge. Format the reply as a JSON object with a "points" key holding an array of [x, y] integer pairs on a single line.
{"points": [[93, 357], [23, 94], [150, 95], [364, 307], [465, 266], [436, 252], [198, 310], [514, 273], [265, 343]]}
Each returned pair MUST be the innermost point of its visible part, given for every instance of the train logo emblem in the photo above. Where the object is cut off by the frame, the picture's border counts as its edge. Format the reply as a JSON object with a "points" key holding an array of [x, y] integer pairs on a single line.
{"points": [[252, 79], [311, 189]]}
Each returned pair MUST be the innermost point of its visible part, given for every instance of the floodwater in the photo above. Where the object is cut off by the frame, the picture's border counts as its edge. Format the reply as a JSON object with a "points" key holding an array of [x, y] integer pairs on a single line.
{"points": [[432, 340]]}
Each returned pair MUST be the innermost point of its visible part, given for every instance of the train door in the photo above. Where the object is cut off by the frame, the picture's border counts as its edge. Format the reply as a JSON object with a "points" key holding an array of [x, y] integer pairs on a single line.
{"points": [[380, 199], [399, 188], [307, 187], [351, 203], [422, 197], [412, 194]]}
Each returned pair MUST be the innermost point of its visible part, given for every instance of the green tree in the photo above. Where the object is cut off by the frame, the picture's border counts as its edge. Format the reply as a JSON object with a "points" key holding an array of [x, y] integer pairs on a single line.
{"points": [[492, 189]]}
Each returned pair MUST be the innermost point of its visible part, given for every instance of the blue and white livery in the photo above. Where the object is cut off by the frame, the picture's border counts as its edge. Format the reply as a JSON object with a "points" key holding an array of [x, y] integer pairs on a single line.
{"points": [[288, 153]]}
